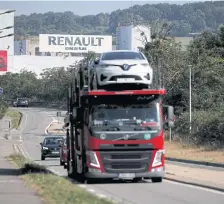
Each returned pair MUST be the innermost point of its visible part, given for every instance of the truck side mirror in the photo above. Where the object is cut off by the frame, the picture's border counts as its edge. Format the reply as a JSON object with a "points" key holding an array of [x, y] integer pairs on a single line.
{"points": [[41, 143], [170, 117]]}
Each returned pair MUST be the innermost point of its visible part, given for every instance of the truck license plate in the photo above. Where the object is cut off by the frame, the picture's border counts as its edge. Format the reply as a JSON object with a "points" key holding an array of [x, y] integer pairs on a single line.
{"points": [[126, 176], [125, 79]]}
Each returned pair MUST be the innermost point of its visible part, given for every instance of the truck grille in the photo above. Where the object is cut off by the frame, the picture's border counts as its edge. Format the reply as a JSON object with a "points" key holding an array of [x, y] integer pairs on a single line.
{"points": [[126, 161]]}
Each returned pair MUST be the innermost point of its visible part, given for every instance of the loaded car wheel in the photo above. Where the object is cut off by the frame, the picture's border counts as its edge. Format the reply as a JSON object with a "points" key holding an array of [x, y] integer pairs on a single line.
{"points": [[61, 163], [42, 157]]}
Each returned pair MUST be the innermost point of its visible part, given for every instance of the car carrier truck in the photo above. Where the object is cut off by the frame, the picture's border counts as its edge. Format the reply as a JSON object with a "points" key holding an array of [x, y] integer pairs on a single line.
{"points": [[115, 134]]}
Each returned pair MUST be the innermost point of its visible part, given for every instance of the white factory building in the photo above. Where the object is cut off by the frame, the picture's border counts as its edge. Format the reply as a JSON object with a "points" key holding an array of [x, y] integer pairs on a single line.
{"points": [[7, 39]]}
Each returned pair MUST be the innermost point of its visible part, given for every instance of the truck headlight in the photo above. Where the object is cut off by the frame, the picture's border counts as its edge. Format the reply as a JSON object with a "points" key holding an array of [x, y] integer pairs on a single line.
{"points": [[93, 159], [45, 148], [158, 158]]}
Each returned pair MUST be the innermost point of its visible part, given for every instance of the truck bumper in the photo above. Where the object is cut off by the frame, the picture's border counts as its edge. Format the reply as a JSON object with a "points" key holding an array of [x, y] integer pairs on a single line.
{"points": [[156, 172]]}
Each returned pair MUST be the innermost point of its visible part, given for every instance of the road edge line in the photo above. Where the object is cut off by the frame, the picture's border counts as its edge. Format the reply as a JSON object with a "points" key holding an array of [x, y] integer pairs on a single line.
{"points": [[196, 163], [195, 184]]}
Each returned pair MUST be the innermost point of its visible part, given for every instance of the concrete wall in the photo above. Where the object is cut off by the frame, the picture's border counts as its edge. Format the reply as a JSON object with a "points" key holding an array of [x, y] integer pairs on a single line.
{"points": [[7, 43], [38, 63]]}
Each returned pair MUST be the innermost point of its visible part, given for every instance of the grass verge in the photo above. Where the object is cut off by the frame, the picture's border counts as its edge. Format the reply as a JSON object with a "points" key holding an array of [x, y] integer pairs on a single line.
{"points": [[51, 188], [178, 150], [15, 117]]}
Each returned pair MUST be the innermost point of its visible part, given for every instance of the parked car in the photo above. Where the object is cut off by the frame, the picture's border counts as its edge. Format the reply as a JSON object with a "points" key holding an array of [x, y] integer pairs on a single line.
{"points": [[50, 147], [63, 154], [21, 102], [120, 67]]}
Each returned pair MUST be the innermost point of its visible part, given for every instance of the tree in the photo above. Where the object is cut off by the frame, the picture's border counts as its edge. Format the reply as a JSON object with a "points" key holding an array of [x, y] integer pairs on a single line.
{"points": [[190, 17]]}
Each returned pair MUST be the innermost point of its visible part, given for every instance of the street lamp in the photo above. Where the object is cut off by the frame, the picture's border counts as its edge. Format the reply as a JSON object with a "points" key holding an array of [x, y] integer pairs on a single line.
{"points": [[190, 116], [9, 11]]}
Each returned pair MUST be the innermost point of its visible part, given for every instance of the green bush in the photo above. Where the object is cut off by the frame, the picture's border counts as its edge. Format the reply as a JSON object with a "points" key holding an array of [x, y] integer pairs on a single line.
{"points": [[3, 108], [207, 127]]}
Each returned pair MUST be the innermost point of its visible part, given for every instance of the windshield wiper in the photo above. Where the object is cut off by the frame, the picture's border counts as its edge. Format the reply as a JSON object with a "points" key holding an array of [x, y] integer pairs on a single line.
{"points": [[111, 128], [142, 128]]}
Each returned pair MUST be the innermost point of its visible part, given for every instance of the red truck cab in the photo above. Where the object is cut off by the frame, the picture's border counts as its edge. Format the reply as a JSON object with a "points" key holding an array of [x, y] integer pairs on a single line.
{"points": [[119, 135]]}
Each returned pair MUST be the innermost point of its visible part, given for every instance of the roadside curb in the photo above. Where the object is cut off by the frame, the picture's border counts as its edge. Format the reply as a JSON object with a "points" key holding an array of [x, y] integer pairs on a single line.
{"points": [[194, 184], [186, 161]]}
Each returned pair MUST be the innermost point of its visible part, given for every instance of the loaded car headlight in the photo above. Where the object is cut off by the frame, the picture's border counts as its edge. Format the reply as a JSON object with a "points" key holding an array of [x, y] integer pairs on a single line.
{"points": [[158, 158], [45, 148], [105, 65], [145, 65]]}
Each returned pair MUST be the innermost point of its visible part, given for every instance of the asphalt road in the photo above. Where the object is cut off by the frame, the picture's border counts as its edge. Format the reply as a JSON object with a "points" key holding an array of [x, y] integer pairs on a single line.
{"points": [[33, 131]]}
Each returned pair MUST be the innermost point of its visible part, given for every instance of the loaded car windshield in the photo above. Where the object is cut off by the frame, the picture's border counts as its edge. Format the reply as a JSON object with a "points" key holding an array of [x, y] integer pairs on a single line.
{"points": [[122, 56]]}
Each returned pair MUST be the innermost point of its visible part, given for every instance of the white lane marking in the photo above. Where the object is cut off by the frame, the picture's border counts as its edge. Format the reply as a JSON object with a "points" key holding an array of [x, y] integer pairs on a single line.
{"points": [[15, 147], [197, 187], [90, 190], [53, 121], [10, 181], [82, 186], [101, 195], [24, 124]]}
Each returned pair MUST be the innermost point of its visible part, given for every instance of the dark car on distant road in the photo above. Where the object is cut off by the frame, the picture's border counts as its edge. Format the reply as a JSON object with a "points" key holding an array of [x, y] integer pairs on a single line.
{"points": [[50, 147], [21, 102]]}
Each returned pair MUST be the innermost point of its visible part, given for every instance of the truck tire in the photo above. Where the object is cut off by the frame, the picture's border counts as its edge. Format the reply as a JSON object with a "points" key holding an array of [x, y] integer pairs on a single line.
{"points": [[61, 163], [157, 179], [42, 157]]}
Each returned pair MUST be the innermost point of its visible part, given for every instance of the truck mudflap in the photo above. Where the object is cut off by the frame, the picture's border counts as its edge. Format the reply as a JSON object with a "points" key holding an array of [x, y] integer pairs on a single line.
{"points": [[155, 172]]}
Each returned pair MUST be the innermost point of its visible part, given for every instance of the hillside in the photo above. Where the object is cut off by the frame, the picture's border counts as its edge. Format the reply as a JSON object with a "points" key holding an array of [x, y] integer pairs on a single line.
{"points": [[186, 18]]}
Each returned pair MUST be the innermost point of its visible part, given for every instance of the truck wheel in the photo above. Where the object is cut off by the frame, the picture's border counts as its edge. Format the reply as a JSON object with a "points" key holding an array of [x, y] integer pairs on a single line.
{"points": [[61, 163], [42, 157], [157, 179]]}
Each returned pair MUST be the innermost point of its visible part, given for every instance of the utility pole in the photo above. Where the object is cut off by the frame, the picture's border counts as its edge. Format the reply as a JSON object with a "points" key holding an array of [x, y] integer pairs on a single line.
{"points": [[190, 116]]}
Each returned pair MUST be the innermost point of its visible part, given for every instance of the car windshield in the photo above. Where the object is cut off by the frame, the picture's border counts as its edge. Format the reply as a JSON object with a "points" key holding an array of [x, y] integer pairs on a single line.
{"points": [[22, 99], [130, 115], [122, 56], [53, 141]]}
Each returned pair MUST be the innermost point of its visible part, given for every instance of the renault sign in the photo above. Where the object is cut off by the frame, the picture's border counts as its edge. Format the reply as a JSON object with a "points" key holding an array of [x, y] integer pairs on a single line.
{"points": [[75, 43]]}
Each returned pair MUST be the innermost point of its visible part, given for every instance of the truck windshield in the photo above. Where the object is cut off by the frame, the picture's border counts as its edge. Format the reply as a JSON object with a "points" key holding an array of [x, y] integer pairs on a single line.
{"points": [[119, 122], [143, 115]]}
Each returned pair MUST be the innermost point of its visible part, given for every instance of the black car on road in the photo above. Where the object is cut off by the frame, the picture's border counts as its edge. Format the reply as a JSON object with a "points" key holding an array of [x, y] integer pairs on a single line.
{"points": [[50, 147], [21, 102]]}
